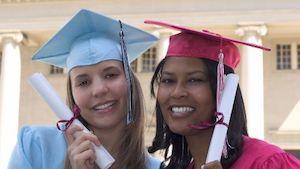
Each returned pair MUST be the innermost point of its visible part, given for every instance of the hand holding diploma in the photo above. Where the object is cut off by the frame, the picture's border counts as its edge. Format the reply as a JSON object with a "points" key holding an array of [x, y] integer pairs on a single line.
{"points": [[212, 165], [81, 153], [103, 159]]}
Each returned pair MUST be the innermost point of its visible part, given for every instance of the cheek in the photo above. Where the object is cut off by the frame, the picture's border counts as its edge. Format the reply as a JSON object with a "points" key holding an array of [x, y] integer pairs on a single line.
{"points": [[120, 89], [208, 97], [80, 97], [207, 104], [162, 95], [204, 98]]}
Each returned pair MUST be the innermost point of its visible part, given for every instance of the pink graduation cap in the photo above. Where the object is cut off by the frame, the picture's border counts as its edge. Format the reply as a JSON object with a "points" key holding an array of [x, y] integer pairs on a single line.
{"points": [[203, 44]]}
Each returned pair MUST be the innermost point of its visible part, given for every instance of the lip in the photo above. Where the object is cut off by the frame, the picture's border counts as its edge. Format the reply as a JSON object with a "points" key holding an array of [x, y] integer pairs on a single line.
{"points": [[183, 110], [104, 108]]}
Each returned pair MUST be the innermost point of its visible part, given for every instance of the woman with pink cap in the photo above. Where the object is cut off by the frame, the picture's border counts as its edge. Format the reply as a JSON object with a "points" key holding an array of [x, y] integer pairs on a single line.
{"points": [[185, 84]]}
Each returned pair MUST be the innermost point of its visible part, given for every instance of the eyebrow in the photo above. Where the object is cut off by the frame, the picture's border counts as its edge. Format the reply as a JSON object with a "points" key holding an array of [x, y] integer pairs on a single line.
{"points": [[199, 71], [189, 73], [81, 76], [84, 75], [111, 68]]}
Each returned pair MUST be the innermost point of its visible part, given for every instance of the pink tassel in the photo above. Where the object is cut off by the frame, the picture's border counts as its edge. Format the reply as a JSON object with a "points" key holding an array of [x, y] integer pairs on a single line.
{"points": [[220, 88], [220, 79]]}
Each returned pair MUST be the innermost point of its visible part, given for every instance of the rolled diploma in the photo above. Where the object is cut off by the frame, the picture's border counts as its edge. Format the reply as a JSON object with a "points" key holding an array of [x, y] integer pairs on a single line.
{"points": [[227, 99], [103, 159]]}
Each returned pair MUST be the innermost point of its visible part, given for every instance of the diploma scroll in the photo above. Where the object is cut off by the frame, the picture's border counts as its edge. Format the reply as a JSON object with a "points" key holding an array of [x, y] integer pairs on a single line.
{"points": [[219, 135], [103, 159]]}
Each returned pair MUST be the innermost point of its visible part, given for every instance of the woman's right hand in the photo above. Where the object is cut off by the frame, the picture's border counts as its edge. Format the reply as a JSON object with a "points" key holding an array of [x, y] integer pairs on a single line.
{"points": [[81, 152], [212, 165]]}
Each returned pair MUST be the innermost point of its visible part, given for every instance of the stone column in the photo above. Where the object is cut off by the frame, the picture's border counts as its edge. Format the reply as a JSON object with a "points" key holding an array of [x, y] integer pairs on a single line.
{"points": [[9, 93], [252, 78]]}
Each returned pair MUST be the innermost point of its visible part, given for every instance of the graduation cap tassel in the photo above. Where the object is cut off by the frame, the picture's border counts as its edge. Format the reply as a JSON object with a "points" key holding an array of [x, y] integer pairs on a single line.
{"points": [[220, 78], [220, 88], [127, 75]]}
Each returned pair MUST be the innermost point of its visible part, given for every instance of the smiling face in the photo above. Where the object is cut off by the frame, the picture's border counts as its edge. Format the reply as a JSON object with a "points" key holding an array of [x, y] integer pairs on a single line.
{"points": [[100, 91], [184, 94]]}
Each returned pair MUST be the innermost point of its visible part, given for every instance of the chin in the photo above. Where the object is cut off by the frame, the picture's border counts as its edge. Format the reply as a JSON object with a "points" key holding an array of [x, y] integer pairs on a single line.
{"points": [[103, 127], [180, 129], [105, 123], [184, 130]]}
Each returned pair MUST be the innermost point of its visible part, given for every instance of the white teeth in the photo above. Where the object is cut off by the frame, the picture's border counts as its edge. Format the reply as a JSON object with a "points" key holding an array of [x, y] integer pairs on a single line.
{"points": [[182, 109], [104, 106]]}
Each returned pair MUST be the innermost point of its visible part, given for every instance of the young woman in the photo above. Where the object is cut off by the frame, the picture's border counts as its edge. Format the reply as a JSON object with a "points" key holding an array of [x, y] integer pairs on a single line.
{"points": [[93, 49], [186, 82]]}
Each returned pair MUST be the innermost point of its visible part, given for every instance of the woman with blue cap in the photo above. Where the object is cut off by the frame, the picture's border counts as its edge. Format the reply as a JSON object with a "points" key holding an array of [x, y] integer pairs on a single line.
{"points": [[103, 93], [190, 82]]}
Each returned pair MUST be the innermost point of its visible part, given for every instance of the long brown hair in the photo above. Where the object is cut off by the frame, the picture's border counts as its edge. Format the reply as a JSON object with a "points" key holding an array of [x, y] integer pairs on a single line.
{"points": [[132, 153]]}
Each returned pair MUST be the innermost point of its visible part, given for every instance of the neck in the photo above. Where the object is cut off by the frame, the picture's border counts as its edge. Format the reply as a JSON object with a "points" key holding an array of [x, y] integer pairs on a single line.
{"points": [[198, 145], [110, 138]]}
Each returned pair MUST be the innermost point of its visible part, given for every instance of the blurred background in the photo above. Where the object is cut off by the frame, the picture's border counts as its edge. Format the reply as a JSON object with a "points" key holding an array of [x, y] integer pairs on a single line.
{"points": [[270, 81]]}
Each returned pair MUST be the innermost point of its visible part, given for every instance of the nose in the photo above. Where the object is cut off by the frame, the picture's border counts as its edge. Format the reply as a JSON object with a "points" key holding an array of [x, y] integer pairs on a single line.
{"points": [[179, 91], [99, 88]]}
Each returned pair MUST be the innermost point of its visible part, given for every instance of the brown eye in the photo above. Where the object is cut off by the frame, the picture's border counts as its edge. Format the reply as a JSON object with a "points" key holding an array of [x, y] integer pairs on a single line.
{"points": [[195, 80], [166, 80], [83, 83], [110, 75]]}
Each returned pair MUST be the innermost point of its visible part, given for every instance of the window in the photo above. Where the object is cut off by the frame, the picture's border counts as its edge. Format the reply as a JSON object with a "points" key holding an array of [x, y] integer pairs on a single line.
{"points": [[283, 55], [149, 60], [288, 55], [56, 70], [133, 65]]}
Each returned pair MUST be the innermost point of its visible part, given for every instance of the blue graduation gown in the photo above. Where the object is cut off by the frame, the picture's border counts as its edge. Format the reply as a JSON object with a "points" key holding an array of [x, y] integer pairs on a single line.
{"points": [[44, 147]]}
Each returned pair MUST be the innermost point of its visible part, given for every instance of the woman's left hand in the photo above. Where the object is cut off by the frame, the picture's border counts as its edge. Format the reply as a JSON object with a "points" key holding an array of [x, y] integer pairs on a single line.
{"points": [[212, 165]]}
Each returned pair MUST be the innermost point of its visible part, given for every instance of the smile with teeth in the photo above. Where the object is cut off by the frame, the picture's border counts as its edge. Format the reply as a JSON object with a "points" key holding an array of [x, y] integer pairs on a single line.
{"points": [[103, 106], [183, 109]]}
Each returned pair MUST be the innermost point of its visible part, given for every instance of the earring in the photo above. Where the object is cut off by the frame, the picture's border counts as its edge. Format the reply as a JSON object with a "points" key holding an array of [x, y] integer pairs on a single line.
{"points": [[225, 148], [228, 144]]}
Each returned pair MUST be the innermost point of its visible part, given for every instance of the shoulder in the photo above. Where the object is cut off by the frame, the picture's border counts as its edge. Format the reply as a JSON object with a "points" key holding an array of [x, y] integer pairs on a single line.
{"points": [[39, 131], [260, 154], [260, 147], [35, 144], [41, 135], [152, 162]]}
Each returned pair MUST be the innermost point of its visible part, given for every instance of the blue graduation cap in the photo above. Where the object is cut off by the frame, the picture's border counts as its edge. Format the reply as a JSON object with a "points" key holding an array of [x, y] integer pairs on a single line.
{"points": [[89, 38]]}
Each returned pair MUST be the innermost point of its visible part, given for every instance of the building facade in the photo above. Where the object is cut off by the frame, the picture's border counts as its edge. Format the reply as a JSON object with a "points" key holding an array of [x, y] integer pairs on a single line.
{"points": [[269, 80]]}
